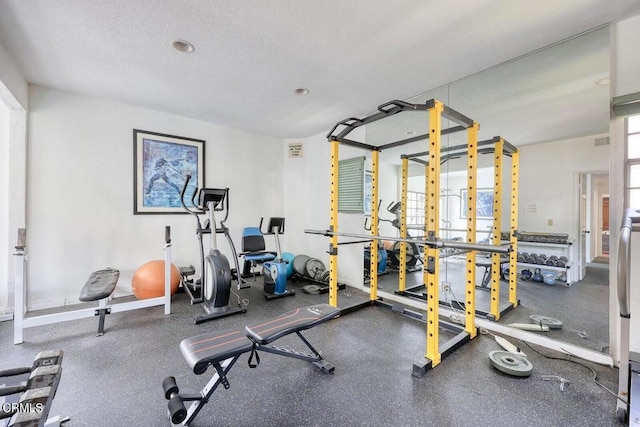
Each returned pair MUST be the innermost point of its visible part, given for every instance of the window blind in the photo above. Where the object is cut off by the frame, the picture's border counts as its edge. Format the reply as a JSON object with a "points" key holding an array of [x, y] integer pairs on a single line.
{"points": [[351, 185]]}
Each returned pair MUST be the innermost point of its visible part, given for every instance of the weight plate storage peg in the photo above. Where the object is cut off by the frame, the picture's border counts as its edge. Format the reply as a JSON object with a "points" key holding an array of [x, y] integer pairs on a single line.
{"points": [[511, 363], [546, 321]]}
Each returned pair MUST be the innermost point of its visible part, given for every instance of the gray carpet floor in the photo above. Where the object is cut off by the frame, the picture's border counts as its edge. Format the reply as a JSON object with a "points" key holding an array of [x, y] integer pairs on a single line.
{"points": [[115, 380]]}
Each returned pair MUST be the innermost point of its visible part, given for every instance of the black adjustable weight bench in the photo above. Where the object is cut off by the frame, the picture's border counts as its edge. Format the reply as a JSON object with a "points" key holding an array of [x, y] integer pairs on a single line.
{"points": [[221, 349]]}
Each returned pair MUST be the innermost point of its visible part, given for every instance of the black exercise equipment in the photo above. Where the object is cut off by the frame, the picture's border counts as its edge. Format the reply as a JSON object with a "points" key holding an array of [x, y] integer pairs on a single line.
{"points": [[36, 393], [213, 287], [221, 349]]}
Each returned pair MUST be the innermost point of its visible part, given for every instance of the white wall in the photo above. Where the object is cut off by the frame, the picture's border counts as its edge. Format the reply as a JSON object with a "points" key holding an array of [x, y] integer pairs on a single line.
{"points": [[13, 88], [548, 182], [80, 190], [4, 207], [13, 104], [306, 202], [307, 184]]}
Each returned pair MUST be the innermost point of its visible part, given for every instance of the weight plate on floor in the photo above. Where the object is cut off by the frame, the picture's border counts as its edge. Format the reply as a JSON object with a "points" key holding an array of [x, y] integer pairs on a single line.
{"points": [[312, 266], [546, 321], [511, 363], [311, 289], [299, 261]]}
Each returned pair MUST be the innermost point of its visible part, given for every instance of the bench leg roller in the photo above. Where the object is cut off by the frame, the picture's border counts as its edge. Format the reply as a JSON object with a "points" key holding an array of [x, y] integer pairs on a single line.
{"points": [[177, 410]]}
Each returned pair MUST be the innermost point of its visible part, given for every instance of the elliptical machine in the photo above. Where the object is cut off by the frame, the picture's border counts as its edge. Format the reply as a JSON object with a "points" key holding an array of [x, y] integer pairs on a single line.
{"points": [[213, 287]]}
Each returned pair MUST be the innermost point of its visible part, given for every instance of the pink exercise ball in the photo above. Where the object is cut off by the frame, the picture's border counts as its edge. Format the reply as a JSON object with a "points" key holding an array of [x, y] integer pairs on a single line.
{"points": [[148, 280]]}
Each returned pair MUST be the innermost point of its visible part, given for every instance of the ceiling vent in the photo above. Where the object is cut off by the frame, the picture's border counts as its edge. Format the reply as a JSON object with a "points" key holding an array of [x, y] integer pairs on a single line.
{"points": [[601, 141]]}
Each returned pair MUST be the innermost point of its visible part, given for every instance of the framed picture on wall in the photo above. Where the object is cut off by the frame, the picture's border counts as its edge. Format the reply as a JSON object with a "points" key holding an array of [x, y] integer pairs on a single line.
{"points": [[484, 203], [160, 165]]}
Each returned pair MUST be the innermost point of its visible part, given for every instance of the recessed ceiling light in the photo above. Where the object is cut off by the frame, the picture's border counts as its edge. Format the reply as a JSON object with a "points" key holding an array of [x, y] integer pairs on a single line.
{"points": [[410, 132], [183, 46], [603, 82], [302, 91]]}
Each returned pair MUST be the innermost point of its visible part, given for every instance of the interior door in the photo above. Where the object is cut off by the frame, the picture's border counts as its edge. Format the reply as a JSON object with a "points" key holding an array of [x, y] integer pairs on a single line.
{"points": [[583, 194], [604, 235]]}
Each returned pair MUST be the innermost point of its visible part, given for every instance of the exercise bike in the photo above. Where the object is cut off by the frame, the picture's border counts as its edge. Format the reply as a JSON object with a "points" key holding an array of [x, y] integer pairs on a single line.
{"points": [[213, 287], [275, 272]]}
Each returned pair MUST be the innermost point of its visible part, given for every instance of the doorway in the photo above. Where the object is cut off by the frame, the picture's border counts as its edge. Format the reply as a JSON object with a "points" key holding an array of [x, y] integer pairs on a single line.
{"points": [[604, 226], [594, 219]]}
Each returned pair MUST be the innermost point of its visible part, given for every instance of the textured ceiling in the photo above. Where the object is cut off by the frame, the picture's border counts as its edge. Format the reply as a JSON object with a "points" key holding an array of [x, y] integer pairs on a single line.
{"points": [[252, 54]]}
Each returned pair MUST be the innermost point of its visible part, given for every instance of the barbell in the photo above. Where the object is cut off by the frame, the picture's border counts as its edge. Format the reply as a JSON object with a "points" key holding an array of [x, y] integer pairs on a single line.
{"points": [[437, 243]]}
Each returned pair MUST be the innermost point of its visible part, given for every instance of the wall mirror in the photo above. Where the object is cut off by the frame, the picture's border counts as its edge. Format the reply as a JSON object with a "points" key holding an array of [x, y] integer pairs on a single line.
{"points": [[536, 102]]}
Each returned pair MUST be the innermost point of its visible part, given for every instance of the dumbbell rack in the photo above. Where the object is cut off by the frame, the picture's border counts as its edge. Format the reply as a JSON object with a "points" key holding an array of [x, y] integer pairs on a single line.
{"points": [[549, 249]]}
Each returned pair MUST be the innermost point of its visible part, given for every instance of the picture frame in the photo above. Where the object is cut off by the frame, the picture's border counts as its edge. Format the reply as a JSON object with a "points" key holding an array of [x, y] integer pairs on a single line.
{"points": [[484, 203], [161, 163]]}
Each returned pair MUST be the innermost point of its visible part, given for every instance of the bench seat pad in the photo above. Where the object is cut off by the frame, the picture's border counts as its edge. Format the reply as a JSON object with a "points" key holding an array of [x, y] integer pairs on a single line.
{"points": [[100, 285], [213, 347], [290, 322]]}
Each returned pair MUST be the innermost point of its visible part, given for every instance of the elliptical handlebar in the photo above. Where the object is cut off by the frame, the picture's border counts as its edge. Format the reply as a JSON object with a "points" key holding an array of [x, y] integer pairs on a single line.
{"points": [[184, 205], [226, 207]]}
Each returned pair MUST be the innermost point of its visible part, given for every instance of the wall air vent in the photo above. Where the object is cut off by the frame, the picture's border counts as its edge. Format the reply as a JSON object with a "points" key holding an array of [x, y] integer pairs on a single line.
{"points": [[601, 141]]}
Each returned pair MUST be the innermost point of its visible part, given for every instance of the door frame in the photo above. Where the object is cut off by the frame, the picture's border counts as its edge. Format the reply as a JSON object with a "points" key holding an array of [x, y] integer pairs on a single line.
{"points": [[585, 227]]}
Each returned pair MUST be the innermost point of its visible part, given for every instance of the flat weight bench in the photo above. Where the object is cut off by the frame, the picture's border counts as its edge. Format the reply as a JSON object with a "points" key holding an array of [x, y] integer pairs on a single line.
{"points": [[486, 276], [99, 287], [221, 349]]}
